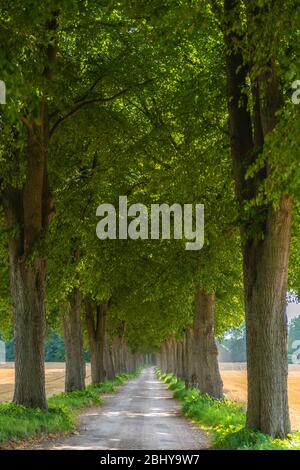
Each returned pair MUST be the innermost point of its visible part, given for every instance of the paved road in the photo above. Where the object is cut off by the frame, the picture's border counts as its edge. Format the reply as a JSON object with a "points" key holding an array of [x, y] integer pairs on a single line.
{"points": [[141, 415]]}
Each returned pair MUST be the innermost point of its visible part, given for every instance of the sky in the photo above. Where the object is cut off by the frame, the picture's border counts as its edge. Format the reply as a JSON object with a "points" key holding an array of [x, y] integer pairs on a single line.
{"points": [[293, 310]]}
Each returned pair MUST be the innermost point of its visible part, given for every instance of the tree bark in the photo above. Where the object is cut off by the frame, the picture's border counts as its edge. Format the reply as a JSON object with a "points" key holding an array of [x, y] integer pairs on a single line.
{"points": [[108, 359], [116, 354], [179, 360], [174, 355], [189, 362], [96, 316], [183, 359], [72, 328], [28, 210], [207, 376], [265, 274], [162, 358], [28, 291]]}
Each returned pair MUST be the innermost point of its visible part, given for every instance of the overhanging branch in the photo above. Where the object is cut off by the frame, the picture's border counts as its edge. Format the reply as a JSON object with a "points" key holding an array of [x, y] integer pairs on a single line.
{"points": [[82, 104]]}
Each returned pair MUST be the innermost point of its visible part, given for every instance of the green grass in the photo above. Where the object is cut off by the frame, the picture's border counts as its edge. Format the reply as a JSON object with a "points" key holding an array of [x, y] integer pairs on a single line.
{"points": [[18, 422], [224, 420]]}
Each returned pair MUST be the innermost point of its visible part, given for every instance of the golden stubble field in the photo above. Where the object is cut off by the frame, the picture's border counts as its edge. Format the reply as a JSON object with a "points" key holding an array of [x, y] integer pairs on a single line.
{"points": [[233, 374], [55, 376], [234, 378]]}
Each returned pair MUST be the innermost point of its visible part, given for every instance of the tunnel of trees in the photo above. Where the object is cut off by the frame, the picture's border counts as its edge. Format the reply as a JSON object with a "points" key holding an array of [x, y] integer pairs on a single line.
{"points": [[163, 102]]}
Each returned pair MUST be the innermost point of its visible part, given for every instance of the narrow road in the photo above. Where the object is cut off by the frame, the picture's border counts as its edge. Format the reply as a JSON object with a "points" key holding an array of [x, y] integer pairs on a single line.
{"points": [[141, 415]]}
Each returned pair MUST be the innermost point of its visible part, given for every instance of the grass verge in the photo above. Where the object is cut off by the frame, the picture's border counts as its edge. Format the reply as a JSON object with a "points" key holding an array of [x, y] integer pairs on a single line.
{"points": [[224, 420], [18, 422]]}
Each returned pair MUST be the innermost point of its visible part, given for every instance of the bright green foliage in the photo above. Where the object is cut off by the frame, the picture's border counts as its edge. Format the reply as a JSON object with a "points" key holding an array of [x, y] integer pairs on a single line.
{"points": [[18, 422], [163, 139]]}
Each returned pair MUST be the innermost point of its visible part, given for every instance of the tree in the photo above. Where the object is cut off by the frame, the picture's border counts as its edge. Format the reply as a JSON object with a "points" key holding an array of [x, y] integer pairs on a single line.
{"points": [[52, 43], [265, 226]]}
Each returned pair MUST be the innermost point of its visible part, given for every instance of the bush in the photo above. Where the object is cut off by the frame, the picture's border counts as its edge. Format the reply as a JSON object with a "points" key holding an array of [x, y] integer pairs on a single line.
{"points": [[18, 422]]}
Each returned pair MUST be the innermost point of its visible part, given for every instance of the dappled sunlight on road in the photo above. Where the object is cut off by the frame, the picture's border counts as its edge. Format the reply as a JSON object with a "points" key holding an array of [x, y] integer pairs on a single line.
{"points": [[129, 414], [141, 415]]}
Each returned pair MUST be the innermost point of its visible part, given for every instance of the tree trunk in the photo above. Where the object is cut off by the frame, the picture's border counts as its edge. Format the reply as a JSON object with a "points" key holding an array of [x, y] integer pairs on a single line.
{"points": [[75, 366], [28, 293], [189, 363], [205, 354], [165, 357], [96, 327], [108, 360], [179, 360], [265, 274], [265, 229], [116, 354], [183, 358], [174, 355], [162, 358], [123, 365], [28, 210], [128, 360]]}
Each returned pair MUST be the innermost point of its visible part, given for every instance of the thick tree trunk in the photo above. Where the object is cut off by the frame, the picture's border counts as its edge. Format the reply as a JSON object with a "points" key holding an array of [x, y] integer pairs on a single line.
{"points": [[174, 355], [97, 366], [128, 361], [72, 328], [207, 376], [189, 362], [108, 360], [178, 360], [28, 294], [171, 363], [28, 211], [116, 354], [266, 269], [96, 327], [165, 357], [183, 359], [123, 349], [162, 360]]}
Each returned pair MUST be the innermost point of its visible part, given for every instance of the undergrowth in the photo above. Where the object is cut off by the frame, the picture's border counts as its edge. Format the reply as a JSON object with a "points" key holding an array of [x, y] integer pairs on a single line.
{"points": [[19, 422], [224, 420]]}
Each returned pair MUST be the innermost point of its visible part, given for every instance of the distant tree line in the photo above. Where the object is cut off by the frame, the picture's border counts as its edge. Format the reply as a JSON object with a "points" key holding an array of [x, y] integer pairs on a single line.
{"points": [[232, 346], [54, 349]]}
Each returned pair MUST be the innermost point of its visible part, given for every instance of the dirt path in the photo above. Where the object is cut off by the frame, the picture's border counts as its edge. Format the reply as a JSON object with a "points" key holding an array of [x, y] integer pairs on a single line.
{"points": [[141, 415]]}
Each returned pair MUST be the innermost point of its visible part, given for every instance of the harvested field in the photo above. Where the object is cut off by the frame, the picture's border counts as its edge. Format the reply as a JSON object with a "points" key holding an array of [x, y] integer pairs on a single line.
{"points": [[234, 377], [55, 376]]}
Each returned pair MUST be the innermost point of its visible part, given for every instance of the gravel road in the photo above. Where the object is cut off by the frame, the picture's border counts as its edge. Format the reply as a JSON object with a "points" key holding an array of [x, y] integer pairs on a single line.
{"points": [[141, 415]]}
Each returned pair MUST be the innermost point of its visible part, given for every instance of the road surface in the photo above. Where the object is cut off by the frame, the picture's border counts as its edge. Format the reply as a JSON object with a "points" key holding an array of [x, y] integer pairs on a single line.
{"points": [[141, 415]]}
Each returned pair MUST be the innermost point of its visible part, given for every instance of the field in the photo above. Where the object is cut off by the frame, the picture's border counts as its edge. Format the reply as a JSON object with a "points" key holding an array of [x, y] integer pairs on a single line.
{"points": [[235, 385], [55, 373], [233, 374]]}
